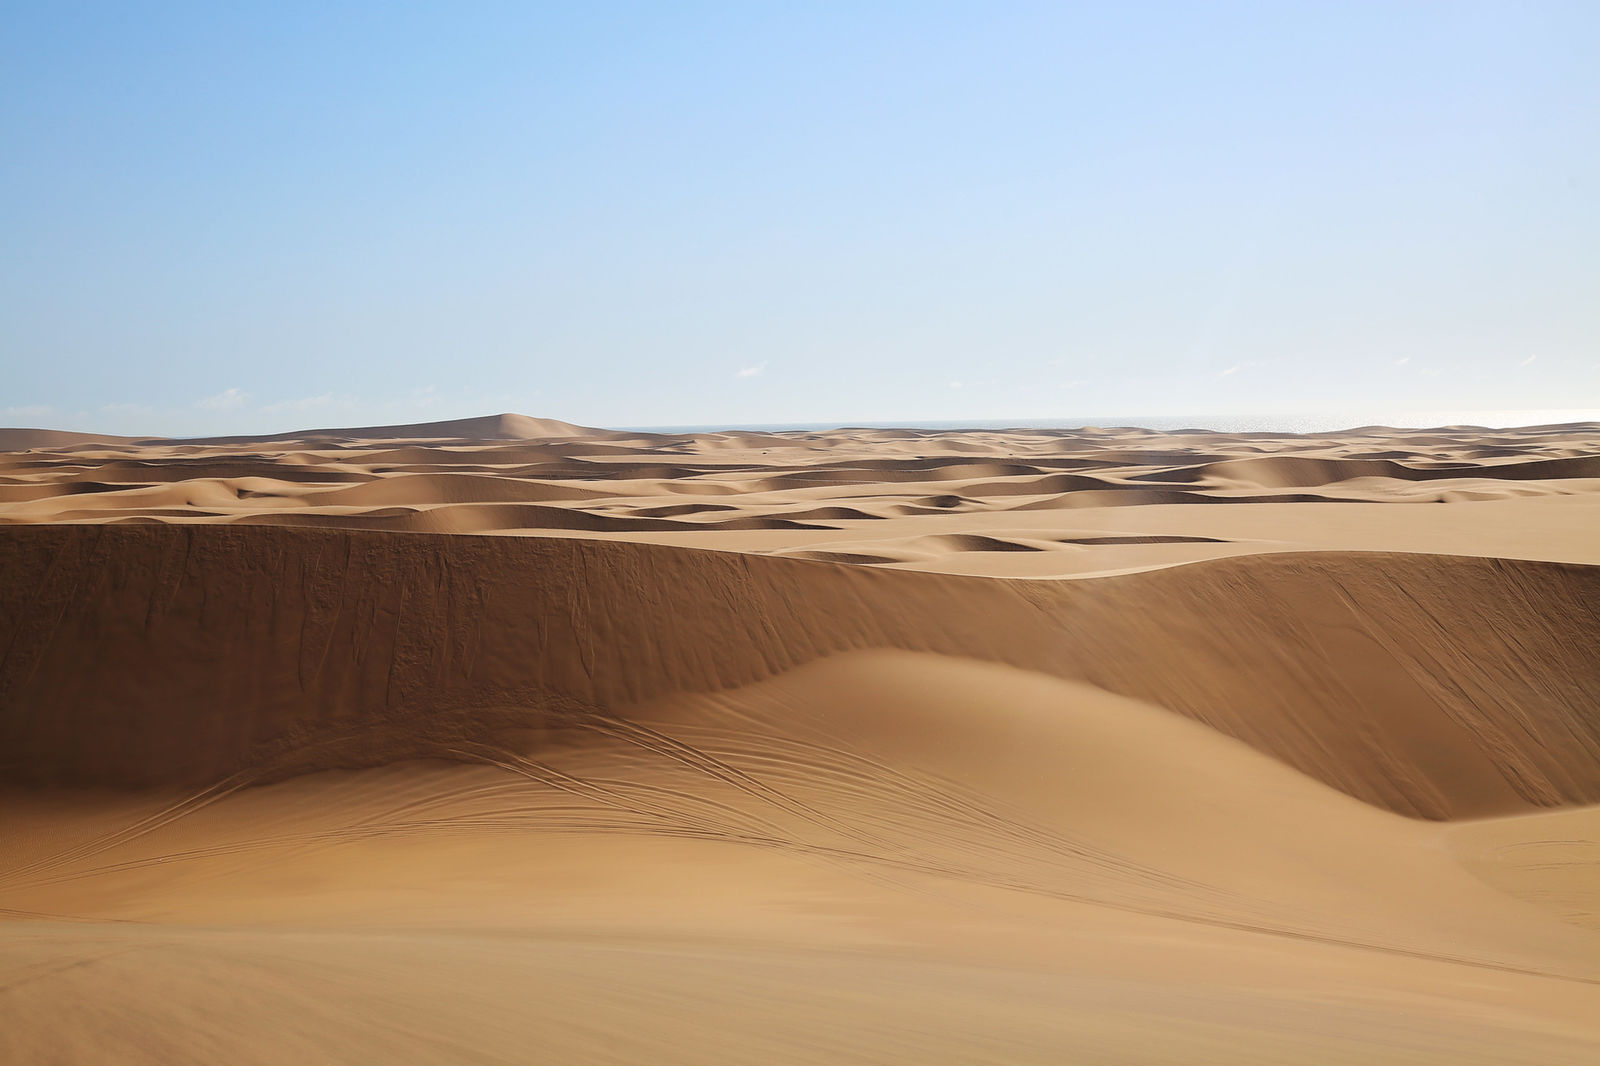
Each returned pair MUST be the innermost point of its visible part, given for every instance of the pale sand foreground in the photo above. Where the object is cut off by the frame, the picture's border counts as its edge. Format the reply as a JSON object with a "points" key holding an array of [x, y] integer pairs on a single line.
{"points": [[342, 794]]}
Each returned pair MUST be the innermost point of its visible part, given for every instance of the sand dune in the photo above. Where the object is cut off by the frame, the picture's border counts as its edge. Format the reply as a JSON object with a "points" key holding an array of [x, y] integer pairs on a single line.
{"points": [[488, 427], [420, 746], [20, 440], [1433, 686]]}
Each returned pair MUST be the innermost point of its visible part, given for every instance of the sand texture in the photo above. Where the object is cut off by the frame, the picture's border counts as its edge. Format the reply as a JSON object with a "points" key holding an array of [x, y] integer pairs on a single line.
{"points": [[507, 740]]}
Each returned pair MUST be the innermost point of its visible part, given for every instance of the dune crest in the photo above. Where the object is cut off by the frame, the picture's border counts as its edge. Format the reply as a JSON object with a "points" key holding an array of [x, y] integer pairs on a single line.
{"points": [[224, 650]]}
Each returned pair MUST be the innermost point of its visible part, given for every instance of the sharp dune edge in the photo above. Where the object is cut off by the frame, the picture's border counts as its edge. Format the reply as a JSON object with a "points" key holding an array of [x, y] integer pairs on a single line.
{"points": [[432, 745], [1432, 686]]}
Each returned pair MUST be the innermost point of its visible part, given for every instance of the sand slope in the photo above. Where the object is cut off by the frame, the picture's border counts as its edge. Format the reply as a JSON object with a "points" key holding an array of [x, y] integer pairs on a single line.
{"points": [[313, 753], [1428, 685], [906, 854]]}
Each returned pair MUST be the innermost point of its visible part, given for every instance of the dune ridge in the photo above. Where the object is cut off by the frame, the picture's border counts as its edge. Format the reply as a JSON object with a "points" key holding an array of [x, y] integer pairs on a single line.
{"points": [[1431, 686], [21, 439], [485, 427]]}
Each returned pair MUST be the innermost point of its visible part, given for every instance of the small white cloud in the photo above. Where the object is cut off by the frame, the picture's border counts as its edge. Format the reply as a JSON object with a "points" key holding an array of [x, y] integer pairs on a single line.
{"points": [[32, 410], [958, 384], [1234, 369], [1402, 361], [126, 409], [1528, 360], [306, 403], [751, 371], [1073, 384], [226, 400]]}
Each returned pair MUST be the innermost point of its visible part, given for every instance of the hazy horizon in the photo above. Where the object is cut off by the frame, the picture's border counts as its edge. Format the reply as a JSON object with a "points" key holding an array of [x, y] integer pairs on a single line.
{"points": [[1266, 422], [284, 216]]}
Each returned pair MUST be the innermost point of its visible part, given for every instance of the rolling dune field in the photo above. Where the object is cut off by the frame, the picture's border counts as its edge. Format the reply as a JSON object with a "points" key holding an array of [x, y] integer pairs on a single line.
{"points": [[507, 740]]}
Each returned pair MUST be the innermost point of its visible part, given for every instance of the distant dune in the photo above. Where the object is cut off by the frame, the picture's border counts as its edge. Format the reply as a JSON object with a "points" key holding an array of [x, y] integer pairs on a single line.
{"points": [[486, 427], [20, 440]]}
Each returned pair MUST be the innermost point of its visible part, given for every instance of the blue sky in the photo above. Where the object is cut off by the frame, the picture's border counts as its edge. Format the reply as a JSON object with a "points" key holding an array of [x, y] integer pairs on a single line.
{"points": [[253, 216]]}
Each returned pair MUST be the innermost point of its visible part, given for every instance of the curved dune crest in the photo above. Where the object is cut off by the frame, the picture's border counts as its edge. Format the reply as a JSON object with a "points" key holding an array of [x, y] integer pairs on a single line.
{"points": [[1432, 686]]}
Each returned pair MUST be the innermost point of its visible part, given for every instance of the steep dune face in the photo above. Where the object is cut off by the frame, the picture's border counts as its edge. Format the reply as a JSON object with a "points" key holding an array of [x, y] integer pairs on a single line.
{"points": [[1430, 686], [1433, 686]]}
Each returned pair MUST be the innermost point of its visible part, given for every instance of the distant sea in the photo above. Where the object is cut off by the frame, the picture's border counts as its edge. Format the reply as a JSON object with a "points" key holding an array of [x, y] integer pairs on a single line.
{"points": [[1257, 423]]}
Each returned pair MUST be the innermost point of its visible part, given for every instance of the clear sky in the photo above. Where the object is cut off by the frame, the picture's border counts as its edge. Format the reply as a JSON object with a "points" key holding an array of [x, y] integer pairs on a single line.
{"points": [[235, 216]]}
